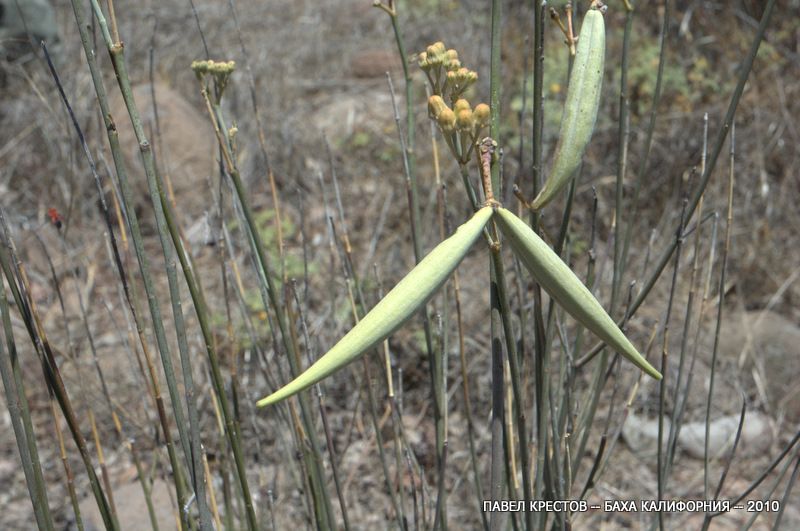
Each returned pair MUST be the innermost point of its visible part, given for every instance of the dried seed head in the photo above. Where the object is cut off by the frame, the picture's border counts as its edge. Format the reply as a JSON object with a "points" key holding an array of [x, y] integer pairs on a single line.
{"points": [[482, 113], [464, 120], [435, 106], [447, 120]]}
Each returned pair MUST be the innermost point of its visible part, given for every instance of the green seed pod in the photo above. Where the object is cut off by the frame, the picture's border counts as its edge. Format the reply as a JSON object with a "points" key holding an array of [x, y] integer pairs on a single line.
{"points": [[435, 106], [482, 114], [447, 120], [567, 289], [464, 121], [399, 305], [580, 108]]}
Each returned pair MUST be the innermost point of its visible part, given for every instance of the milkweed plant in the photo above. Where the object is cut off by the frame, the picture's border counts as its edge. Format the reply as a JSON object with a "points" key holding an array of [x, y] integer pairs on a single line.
{"points": [[536, 450]]}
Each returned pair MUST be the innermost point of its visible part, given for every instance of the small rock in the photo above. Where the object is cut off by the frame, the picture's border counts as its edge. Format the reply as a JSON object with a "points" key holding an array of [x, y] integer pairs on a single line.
{"points": [[641, 435], [374, 63], [343, 114], [769, 343], [756, 436], [18, 18]]}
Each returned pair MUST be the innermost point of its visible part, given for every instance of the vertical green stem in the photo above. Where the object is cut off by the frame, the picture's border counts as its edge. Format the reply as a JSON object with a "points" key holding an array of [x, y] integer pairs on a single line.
{"points": [[498, 410], [622, 158], [19, 411], [516, 381], [495, 85], [133, 222], [496, 519]]}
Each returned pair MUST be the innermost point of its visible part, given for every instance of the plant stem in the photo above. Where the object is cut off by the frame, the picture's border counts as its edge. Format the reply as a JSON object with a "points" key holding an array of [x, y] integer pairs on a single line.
{"points": [[19, 411]]}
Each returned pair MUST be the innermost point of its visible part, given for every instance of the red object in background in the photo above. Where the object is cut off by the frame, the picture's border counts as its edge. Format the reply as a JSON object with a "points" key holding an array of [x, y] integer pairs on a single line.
{"points": [[55, 217]]}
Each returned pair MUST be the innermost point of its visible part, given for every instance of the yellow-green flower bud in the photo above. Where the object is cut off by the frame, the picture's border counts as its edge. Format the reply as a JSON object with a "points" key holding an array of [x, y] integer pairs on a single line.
{"points": [[482, 114], [223, 68], [451, 55], [435, 106], [453, 65], [434, 56], [461, 105], [422, 59], [200, 67], [464, 120], [447, 120], [434, 60]]}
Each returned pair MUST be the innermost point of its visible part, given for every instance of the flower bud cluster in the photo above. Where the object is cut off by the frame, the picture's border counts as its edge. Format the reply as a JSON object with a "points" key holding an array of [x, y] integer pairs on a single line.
{"points": [[219, 70], [445, 72], [216, 68], [460, 123]]}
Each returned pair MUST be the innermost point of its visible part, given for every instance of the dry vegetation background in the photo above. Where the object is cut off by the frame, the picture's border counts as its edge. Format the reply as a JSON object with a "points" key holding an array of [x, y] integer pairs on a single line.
{"points": [[319, 72]]}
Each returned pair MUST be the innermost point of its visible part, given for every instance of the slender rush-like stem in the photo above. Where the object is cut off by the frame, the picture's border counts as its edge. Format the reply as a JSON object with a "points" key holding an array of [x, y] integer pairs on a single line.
{"points": [[20, 291], [127, 195], [19, 411], [622, 157], [271, 299], [721, 295]]}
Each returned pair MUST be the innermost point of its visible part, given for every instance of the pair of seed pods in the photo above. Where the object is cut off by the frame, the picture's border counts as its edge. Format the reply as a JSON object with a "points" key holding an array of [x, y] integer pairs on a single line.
{"points": [[546, 267], [422, 282]]}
